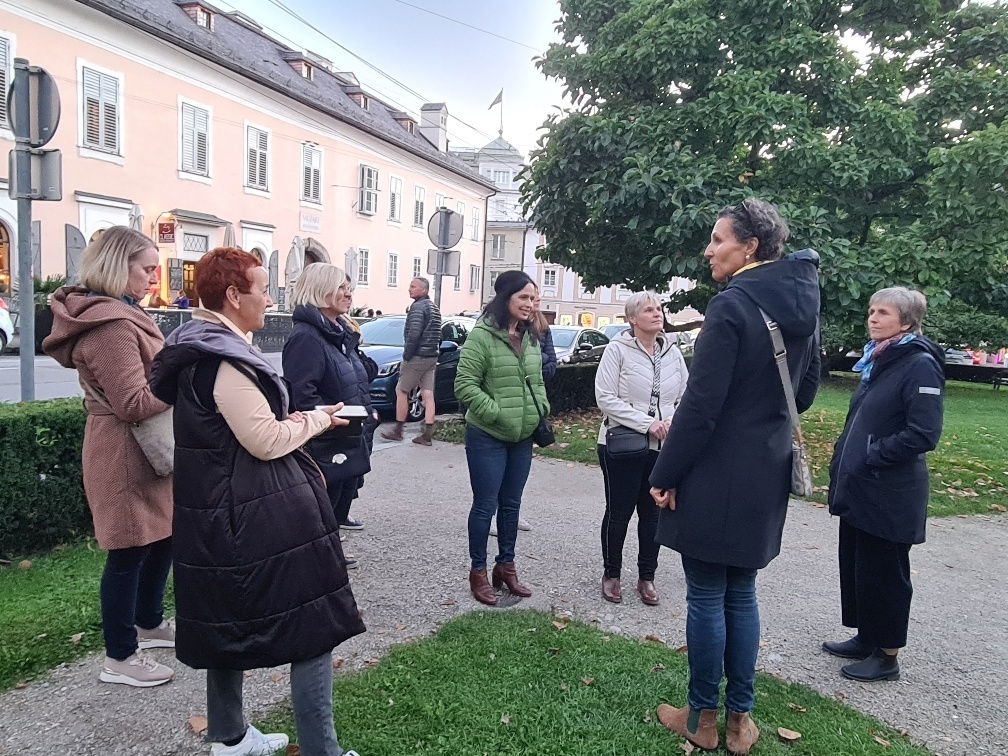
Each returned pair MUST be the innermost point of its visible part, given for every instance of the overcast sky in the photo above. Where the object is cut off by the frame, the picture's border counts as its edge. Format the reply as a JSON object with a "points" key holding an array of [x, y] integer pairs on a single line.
{"points": [[437, 58]]}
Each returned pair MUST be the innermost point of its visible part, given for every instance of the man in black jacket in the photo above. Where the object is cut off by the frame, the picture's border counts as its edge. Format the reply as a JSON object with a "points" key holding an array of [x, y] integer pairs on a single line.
{"points": [[421, 345]]}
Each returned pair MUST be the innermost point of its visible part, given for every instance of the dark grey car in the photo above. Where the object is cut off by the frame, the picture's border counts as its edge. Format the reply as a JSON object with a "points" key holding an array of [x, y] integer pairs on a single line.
{"points": [[577, 344]]}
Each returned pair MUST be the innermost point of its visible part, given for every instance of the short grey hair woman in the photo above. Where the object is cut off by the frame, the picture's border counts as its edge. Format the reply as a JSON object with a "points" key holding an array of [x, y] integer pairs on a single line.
{"points": [[879, 481], [638, 385]]}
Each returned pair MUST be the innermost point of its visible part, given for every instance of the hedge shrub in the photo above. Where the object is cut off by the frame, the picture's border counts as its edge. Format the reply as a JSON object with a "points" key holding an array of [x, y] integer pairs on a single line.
{"points": [[41, 487], [572, 388]]}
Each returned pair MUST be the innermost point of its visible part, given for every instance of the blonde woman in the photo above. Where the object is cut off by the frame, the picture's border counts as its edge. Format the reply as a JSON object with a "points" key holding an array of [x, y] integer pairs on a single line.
{"points": [[640, 380], [99, 329]]}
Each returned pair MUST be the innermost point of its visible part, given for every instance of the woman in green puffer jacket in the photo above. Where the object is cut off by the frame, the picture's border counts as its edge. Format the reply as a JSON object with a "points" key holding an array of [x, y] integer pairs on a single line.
{"points": [[500, 368]]}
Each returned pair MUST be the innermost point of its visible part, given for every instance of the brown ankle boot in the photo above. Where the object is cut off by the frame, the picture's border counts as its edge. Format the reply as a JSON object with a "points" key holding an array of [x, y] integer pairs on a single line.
{"points": [[480, 587], [611, 590], [698, 727], [394, 433], [741, 734], [647, 592], [505, 574], [426, 437]]}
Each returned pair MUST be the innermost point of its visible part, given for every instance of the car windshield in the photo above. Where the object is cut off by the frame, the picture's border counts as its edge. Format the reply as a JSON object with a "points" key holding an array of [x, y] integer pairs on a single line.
{"points": [[383, 332], [563, 337]]}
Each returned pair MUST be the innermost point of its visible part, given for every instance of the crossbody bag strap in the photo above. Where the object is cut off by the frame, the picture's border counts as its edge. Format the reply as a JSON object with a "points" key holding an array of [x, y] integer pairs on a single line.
{"points": [[528, 384], [656, 380], [780, 357]]}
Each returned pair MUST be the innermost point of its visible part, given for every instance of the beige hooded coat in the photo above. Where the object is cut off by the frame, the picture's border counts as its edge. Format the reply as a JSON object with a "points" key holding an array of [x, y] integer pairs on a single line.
{"points": [[112, 344]]}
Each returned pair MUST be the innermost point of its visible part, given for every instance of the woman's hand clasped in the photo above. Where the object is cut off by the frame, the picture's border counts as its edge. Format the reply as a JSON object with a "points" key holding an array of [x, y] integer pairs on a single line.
{"points": [[659, 429], [334, 422], [664, 498]]}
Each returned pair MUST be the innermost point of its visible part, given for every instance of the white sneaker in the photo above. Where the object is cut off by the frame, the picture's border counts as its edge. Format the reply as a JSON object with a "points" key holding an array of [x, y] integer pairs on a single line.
{"points": [[139, 670], [254, 743], [162, 636], [524, 524]]}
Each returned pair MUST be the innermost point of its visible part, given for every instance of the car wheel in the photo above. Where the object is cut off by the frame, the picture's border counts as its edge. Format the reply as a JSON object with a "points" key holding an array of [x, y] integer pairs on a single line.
{"points": [[415, 408]]}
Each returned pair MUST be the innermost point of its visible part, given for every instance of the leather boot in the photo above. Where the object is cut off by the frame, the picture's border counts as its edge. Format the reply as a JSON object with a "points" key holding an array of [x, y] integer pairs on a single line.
{"points": [[698, 727], [480, 588], [611, 590], [647, 592], [505, 574], [741, 734], [394, 433], [426, 437]]}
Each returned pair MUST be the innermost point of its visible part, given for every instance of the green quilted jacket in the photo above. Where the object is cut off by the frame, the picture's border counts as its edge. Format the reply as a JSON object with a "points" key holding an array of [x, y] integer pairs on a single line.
{"points": [[491, 383]]}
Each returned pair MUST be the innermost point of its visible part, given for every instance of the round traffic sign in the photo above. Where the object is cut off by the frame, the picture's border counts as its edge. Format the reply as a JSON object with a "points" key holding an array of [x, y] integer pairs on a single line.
{"points": [[448, 220], [33, 110]]}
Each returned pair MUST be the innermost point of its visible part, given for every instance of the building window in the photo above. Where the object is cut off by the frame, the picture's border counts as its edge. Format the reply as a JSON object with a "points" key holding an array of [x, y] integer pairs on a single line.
{"points": [[203, 18], [460, 209], [474, 277], [493, 277], [502, 178], [368, 190], [439, 201], [199, 243], [311, 173], [417, 267], [549, 277], [101, 111], [363, 267], [308, 72], [257, 173], [419, 194], [458, 283], [392, 279], [395, 199], [497, 247], [195, 140], [5, 61], [501, 206], [583, 293], [474, 235]]}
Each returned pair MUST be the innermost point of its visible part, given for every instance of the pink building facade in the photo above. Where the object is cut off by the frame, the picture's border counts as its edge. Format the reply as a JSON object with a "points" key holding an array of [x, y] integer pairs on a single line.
{"points": [[196, 127]]}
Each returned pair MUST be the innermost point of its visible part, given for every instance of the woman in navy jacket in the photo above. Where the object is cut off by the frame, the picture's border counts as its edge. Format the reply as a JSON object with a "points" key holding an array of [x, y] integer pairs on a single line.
{"points": [[879, 480], [723, 475], [321, 363]]}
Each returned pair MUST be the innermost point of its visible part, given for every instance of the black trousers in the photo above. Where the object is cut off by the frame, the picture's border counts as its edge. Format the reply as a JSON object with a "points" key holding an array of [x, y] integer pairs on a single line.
{"points": [[132, 594], [875, 588], [626, 490]]}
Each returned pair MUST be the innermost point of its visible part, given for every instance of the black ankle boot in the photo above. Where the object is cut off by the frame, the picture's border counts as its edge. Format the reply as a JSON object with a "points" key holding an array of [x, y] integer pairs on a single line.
{"points": [[848, 649], [878, 666]]}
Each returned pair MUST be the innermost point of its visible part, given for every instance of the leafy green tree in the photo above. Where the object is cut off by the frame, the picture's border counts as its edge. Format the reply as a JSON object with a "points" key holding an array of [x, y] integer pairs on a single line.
{"points": [[877, 127]]}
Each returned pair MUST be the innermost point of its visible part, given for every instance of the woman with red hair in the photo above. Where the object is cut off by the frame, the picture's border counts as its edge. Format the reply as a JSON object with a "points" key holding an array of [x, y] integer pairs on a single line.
{"points": [[260, 576]]}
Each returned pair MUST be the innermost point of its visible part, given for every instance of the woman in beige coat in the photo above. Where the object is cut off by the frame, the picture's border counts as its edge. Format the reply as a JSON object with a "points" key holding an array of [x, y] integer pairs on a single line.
{"points": [[99, 329]]}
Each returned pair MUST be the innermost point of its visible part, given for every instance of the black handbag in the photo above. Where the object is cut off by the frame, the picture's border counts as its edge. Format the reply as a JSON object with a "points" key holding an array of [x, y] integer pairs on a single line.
{"points": [[542, 436], [626, 443]]}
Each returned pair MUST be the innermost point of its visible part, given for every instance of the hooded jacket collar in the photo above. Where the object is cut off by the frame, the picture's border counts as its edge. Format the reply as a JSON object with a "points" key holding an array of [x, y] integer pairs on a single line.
{"points": [[339, 334], [787, 289]]}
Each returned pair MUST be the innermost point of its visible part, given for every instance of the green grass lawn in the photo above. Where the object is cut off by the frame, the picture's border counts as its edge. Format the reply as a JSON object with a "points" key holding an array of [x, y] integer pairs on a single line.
{"points": [[969, 469], [44, 608], [511, 682]]}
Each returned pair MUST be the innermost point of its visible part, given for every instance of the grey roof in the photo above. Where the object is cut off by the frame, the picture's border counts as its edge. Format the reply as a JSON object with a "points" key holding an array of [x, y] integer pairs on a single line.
{"points": [[253, 55]]}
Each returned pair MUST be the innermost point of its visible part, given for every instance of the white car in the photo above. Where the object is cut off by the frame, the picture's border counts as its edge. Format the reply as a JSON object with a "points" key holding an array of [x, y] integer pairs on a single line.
{"points": [[6, 327]]}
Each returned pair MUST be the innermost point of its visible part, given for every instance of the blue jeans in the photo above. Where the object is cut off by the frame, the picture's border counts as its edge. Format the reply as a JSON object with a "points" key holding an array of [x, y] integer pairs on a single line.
{"points": [[132, 594], [311, 697], [497, 472], [722, 633]]}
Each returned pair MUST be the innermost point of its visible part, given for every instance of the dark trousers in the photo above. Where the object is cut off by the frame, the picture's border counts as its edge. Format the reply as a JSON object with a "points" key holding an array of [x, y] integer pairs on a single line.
{"points": [[341, 496], [626, 490], [875, 588], [132, 594]]}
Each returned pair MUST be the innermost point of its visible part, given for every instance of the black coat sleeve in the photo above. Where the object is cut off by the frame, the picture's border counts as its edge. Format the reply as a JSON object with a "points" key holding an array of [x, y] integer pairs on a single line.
{"points": [[809, 386], [922, 394], [416, 322], [710, 379], [304, 369], [549, 358]]}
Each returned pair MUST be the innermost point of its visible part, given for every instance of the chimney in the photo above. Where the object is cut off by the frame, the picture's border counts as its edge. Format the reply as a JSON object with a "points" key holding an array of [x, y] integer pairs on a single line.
{"points": [[434, 124]]}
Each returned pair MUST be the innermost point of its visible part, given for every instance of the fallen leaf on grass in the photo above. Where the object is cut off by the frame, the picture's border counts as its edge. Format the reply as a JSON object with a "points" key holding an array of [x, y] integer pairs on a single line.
{"points": [[687, 747], [882, 741], [681, 650], [658, 668], [554, 651], [198, 724], [40, 636], [839, 695], [788, 736], [587, 680], [563, 687], [796, 707], [276, 677], [653, 639], [76, 638], [505, 720], [20, 686], [391, 702], [563, 445], [338, 662], [293, 750], [25, 564], [998, 508], [559, 625], [532, 630]]}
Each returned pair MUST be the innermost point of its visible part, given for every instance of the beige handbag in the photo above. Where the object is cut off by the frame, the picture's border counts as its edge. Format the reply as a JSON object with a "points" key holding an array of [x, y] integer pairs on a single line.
{"points": [[155, 436], [801, 476]]}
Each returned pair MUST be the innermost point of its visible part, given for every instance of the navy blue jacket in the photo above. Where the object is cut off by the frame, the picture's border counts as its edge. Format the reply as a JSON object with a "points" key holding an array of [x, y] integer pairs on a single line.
{"points": [[321, 364], [549, 358], [879, 474], [728, 451]]}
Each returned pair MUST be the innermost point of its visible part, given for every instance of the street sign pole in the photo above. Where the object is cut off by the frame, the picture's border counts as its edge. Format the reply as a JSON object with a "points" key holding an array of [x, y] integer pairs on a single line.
{"points": [[442, 245], [26, 286]]}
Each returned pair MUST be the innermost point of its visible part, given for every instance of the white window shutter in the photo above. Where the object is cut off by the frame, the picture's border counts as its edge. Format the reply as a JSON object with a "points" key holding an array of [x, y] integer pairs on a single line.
{"points": [[92, 108]]}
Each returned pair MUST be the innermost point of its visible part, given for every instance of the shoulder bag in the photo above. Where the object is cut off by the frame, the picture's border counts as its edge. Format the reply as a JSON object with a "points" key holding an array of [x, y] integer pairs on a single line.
{"points": [[801, 477], [626, 443], [542, 436], [155, 436]]}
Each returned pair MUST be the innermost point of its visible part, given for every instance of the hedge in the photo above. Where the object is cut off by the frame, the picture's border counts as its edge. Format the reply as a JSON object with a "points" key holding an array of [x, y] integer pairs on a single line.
{"points": [[42, 499], [572, 388]]}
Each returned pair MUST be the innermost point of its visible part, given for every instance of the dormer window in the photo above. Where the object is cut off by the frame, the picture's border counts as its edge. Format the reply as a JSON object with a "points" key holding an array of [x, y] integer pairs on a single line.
{"points": [[202, 18], [365, 102], [411, 127], [199, 13], [308, 71]]}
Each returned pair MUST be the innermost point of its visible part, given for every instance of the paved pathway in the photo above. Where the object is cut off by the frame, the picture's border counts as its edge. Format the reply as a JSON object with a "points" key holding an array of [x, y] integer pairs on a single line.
{"points": [[414, 562]]}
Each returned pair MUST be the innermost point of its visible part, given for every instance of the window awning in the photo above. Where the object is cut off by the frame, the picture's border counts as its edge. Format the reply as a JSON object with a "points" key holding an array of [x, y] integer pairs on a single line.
{"points": [[202, 218]]}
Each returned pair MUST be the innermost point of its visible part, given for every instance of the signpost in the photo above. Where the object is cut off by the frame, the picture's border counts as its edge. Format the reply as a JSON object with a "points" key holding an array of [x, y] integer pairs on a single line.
{"points": [[444, 231], [35, 174]]}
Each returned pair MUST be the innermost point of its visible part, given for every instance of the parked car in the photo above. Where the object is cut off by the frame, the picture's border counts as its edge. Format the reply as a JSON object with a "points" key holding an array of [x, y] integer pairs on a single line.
{"points": [[576, 344], [6, 327], [614, 329], [958, 357], [382, 341]]}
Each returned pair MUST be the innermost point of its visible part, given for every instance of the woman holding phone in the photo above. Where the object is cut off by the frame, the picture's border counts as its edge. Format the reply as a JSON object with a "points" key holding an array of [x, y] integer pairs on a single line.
{"points": [[321, 362]]}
